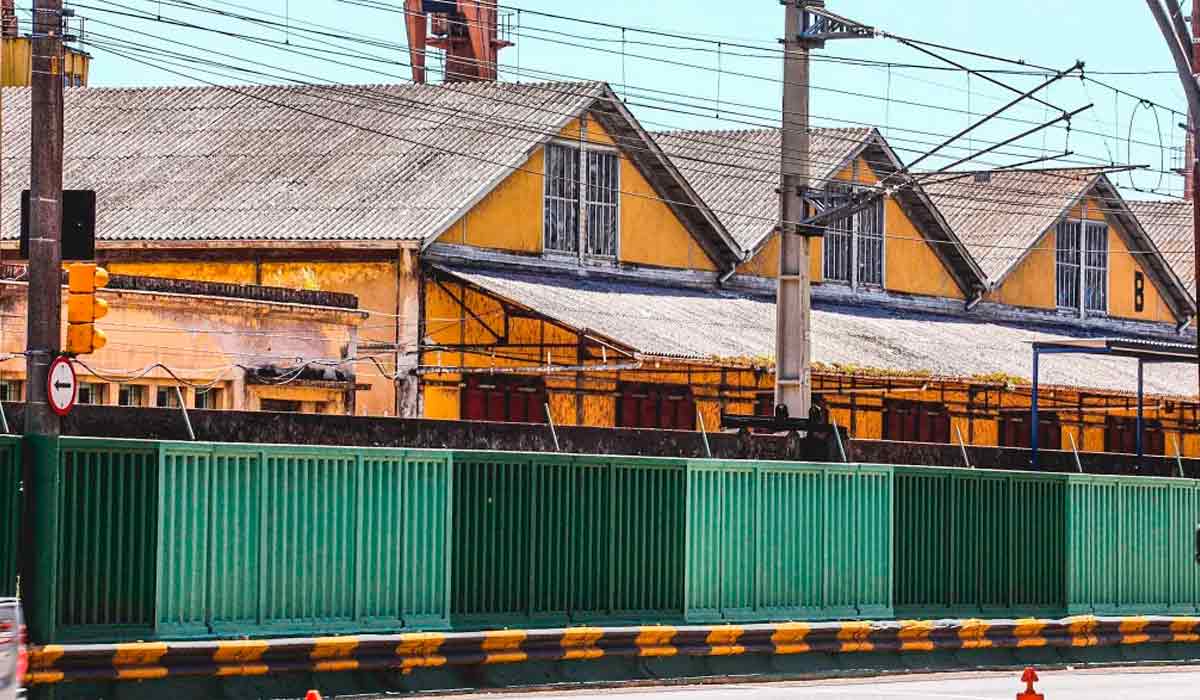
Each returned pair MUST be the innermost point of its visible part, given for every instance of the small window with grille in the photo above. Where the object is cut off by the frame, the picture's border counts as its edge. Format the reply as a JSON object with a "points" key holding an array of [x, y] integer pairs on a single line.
{"points": [[1081, 266], [582, 203], [853, 245]]}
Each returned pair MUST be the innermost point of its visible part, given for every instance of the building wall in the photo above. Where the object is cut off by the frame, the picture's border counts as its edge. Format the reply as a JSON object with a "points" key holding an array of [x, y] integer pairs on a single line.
{"points": [[386, 290], [16, 69], [509, 218], [911, 266], [575, 398], [201, 340], [1032, 283]]}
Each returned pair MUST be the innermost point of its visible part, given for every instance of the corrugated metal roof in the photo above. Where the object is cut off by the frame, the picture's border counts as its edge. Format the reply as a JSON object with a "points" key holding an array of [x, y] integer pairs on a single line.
{"points": [[1001, 213], [736, 172], [687, 323], [290, 163], [1169, 225]]}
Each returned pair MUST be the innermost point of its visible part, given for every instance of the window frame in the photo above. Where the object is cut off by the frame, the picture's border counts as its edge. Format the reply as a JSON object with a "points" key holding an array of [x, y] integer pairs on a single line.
{"points": [[584, 149], [1082, 268], [856, 237]]}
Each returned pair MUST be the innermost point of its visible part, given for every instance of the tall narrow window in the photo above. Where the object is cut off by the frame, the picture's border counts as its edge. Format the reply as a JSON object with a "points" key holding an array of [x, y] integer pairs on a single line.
{"points": [[1095, 266], [590, 178], [1081, 266], [602, 189], [561, 208], [1066, 265], [839, 236], [853, 245]]}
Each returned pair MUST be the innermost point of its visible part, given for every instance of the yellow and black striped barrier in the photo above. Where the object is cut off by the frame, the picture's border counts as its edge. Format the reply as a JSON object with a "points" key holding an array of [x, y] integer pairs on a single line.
{"points": [[405, 652]]}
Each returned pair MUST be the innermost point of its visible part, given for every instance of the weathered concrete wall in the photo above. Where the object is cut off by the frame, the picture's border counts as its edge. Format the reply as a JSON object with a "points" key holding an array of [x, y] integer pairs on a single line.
{"points": [[303, 429]]}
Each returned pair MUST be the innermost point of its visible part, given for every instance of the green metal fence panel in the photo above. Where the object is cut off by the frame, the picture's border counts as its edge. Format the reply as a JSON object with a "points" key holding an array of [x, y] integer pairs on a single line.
{"points": [[1130, 545], [545, 539], [979, 542], [10, 512], [781, 541], [108, 541]]}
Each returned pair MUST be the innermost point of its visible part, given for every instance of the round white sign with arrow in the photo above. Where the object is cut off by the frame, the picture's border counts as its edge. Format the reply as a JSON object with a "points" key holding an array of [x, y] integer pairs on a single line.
{"points": [[62, 386]]}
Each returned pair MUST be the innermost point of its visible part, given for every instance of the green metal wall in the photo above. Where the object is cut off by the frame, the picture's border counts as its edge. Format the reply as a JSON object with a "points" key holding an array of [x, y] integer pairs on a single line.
{"points": [[559, 539], [555, 538], [108, 509], [776, 541], [1131, 545], [10, 512], [979, 542], [176, 540]]}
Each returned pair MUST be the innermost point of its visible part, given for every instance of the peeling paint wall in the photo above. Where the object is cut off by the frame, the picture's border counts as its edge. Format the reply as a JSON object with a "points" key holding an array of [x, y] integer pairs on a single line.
{"points": [[202, 340], [387, 290]]}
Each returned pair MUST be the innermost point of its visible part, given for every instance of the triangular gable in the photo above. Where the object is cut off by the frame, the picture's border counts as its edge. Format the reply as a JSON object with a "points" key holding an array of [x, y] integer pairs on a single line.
{"points": [[737, 174]]}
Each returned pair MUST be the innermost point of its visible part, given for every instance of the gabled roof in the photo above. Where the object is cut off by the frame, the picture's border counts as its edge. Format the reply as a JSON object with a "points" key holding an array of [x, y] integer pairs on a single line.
{"points": [[736, 172], [1002, 214], [1169, 224], [316, 162]]}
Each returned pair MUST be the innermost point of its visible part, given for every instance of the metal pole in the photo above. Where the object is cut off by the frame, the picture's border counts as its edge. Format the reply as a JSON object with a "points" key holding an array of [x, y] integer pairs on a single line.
{"points": [[1141, 386], [704, 434], [792, 341], [1033, 412], [553, 432], [1075, 451], [962, 445], [183, 407], [44, 302]]}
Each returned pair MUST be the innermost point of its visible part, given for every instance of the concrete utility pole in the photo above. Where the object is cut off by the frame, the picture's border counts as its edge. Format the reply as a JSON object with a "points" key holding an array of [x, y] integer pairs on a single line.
{"points": [[793, 340], [43, 329], [1185, 54], [807, 26]]}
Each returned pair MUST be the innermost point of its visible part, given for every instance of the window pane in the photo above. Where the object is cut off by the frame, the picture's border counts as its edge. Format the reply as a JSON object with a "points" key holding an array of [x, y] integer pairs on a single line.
{"points": [[10, 390], [1067, 264], [838, 235], [602, 191], [870, 244], [1096, 266], [561, 206], [131, 395]]}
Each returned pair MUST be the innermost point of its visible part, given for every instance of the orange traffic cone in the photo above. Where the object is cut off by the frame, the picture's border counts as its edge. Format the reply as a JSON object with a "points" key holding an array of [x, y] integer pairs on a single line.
{"points": [[316, 695], [1028, 678]]}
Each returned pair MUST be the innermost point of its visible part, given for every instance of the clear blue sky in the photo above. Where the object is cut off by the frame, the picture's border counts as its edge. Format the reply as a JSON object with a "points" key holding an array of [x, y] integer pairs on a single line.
{"points": [[1120, 36]]}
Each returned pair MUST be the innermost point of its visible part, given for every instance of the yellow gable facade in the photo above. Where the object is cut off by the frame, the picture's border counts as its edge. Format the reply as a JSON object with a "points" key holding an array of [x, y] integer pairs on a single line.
{"points": [[511, 218], [1118, 284], [909, 264]]}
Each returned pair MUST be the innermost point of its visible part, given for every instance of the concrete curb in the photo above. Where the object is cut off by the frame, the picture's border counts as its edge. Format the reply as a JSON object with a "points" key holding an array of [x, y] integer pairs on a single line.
{"points": [[405, 652]]}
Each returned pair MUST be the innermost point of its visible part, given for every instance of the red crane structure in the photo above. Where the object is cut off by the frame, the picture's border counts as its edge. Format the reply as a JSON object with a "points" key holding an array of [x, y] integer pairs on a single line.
{"points": [[467, 30]]}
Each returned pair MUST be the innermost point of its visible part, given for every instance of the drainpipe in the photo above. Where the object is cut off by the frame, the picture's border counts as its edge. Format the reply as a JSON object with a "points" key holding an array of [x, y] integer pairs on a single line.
{"points": [[972, 303], [725, 277], [1183, 326]]}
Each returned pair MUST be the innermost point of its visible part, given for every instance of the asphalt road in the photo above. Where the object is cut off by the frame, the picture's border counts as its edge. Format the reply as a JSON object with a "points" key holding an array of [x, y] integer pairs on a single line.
{"points": [[1107, 684]]}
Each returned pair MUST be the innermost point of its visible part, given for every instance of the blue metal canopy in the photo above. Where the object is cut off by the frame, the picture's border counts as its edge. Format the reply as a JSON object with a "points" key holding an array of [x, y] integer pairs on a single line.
{"points": [[1144, 351]]}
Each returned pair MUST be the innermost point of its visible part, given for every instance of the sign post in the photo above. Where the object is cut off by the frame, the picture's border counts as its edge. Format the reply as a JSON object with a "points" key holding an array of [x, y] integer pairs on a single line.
{"points": [[62, 385]]}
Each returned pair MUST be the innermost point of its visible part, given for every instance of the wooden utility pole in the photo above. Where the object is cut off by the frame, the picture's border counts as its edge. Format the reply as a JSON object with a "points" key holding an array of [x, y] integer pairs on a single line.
{"points": [[43, 328], [1179, 40], [793, 340]]}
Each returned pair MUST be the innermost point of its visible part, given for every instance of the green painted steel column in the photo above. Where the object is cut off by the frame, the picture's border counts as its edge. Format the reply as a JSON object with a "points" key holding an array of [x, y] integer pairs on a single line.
{"points": [[39, 584]]}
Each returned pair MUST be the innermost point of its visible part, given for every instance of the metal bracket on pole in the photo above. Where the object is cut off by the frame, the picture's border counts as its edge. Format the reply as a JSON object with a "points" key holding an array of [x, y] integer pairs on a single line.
{"points": [[1178, 457], [962, 445], [183, 407], [1075, 451], [818, 25], [553, 432], [837, 435]]}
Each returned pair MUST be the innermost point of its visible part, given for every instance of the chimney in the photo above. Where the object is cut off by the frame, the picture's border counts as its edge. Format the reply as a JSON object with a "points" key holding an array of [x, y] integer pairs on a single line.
{"points": [[8, 19]]}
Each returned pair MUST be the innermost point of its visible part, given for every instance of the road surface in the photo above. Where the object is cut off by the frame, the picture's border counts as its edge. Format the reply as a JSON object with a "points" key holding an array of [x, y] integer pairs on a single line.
{"points": [[1106, 684]]}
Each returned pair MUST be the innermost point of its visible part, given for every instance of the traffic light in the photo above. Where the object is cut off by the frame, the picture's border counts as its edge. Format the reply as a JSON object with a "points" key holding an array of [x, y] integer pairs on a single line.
{"points": [[83, 308]]}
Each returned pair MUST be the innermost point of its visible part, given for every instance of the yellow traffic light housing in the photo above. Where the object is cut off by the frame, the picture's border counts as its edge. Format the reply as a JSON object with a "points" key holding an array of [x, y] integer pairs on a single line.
{"points": [[84, 307]]}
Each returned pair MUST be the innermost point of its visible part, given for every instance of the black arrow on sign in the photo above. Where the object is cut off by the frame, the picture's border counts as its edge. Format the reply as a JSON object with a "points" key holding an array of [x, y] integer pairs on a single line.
{"points": [[62, 385]]}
